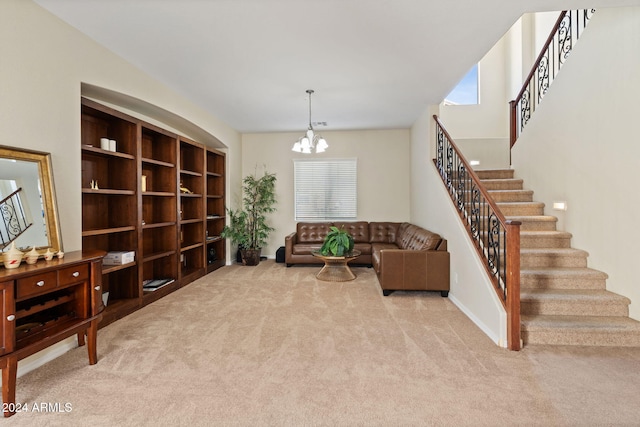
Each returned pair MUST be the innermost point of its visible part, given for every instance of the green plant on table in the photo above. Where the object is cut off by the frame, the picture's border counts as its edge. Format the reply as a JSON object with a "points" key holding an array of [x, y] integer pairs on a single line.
{"points": [[338, 242]]}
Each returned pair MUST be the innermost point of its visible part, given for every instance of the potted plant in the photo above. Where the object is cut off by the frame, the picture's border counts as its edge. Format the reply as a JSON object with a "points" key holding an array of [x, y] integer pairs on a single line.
{"points": [[338, 242], [248, 226]]}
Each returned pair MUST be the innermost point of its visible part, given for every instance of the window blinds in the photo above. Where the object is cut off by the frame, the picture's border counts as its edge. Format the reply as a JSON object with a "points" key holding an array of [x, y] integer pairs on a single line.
{"points": [[325, 189]]}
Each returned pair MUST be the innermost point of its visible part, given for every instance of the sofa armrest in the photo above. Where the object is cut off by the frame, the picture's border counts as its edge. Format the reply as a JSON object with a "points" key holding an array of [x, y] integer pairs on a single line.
{"points": [[289, 241], [402, 269]]}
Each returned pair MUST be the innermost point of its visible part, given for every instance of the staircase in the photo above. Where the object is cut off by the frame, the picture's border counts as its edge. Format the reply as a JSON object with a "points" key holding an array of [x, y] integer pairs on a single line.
{"points": [[563, 302]]}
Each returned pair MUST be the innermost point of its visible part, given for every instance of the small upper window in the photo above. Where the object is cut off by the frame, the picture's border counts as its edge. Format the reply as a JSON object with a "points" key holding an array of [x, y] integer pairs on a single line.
{"points": [[466, 92]]}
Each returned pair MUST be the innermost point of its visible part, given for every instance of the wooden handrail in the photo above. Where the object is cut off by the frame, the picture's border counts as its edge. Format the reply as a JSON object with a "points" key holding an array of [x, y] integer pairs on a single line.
{"points": [[2, 202], [13, 219], [545, 75], [506, 279], [541, 55], [472, 174]]}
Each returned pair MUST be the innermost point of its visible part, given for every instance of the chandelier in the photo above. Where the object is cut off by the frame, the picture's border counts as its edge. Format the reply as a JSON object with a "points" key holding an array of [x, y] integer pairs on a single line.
{"points": [[311, 141]]}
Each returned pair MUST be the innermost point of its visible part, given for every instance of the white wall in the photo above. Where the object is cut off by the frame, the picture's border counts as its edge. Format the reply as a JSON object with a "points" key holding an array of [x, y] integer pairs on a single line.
{"points": [[44, 63], [432, 208], [481, 131], [487, 119], [581, 146], [383, 173]]}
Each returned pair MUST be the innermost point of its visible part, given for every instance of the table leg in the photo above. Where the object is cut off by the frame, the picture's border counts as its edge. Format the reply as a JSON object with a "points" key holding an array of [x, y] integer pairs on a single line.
{"points": [[92, 335], [9, 373], [336, 271]]}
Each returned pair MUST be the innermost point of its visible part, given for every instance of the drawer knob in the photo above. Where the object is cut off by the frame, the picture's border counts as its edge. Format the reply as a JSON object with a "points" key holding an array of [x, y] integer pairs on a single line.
{"points": [[97, 288], [40, 283], [76, 274], [11, 317]]}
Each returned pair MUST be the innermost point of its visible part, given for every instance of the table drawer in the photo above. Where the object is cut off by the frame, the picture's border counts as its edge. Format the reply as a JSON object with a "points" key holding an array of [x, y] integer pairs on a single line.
{"points": [[71, 275], [36, 284]]}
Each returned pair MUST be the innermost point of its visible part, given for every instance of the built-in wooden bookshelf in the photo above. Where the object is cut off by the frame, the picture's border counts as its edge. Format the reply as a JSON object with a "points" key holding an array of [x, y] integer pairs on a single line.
{"points": [[192, 213], [159, 195], [215, 208]]}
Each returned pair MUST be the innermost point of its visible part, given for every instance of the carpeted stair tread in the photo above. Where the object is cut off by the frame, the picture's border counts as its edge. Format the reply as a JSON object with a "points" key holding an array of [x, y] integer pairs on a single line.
{"points": [[552, 257], [511, 195], [545, 239], [510, 209], [579, 322], [503, 184], [577, 295], [545, 233], [562, 278], [580, 330], [495, 173], [564, 272], [595, 302], [535, 222]]}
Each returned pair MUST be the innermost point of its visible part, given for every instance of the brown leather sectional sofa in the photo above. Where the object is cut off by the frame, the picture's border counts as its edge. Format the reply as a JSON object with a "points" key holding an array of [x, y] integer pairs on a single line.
{"points": [[403, 255]]}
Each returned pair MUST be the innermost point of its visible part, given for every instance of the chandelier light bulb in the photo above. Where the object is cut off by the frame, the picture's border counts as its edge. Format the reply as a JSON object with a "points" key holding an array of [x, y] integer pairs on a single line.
{"points": [[311, 141]]}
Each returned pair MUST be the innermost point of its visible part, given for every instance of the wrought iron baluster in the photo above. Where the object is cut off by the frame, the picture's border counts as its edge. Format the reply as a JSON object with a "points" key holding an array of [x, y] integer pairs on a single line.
{"points": [[568, 29]]}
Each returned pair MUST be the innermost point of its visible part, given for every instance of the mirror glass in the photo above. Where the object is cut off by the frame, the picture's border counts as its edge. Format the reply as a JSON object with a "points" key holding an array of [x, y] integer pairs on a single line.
{"points": [[28, 211]]}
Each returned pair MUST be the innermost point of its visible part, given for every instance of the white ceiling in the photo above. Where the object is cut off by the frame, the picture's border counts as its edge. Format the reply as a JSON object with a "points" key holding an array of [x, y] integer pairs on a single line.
{"points": [[373, 64]]}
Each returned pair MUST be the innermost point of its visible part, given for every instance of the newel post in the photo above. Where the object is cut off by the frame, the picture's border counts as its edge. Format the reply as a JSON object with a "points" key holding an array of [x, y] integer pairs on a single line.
{"points": [[513, 285], [513, 125]]}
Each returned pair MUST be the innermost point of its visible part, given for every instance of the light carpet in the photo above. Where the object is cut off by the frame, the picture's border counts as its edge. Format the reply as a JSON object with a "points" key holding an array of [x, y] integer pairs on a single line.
{"points": [[270, 345]]}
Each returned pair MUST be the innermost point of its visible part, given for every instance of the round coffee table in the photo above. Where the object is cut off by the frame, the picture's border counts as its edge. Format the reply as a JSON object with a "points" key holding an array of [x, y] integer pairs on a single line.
{"points": [[336, 268]]}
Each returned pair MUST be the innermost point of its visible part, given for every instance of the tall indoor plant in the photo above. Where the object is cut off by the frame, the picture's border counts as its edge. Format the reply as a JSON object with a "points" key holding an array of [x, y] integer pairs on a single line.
{"points": [[248, 226]]}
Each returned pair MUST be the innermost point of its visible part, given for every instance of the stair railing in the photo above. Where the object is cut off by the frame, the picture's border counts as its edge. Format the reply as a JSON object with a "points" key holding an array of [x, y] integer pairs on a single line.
{"points": [[566, 31], [496, 239], [14, 221]]}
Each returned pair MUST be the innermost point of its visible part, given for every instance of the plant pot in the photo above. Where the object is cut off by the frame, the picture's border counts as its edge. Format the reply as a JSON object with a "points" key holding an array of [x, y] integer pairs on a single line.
{"points": [[250, 256]]}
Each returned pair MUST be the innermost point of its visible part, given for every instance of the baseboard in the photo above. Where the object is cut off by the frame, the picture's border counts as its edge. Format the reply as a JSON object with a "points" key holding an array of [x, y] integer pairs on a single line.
{"points": [[491, 334], [39, 359]]}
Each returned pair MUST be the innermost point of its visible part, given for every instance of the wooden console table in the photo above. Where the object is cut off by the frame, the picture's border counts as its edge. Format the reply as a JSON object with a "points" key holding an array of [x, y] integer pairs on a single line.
{"points": [[336, 268], [44, 303]]}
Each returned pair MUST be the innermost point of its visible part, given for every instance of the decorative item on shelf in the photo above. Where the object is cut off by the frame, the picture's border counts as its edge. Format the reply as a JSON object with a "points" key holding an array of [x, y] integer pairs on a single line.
{"points": [[94, 184], [119, 257], [151, 285], [48, 256], [248, 226], [211, 255], [60, 254], [105, 298], [32, 256], [104, 143], [13, 257], [311, 141], [184, 190], [143, 183], [338, 242], [112, 145]]}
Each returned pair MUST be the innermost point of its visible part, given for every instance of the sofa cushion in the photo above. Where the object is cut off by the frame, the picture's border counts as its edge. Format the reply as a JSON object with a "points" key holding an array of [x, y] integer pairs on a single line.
{"points": [[359, 230], [306, 248], [312, 232], [416, 238], [376, 248], [383, 232]]}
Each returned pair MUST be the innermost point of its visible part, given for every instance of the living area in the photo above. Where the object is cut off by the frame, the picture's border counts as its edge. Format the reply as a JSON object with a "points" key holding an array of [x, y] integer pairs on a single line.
{"points": [[280, 323]]}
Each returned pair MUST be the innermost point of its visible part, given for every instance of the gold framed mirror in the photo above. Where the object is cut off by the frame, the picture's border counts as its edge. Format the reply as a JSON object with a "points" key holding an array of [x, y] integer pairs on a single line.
{"points": [[28, 209]]}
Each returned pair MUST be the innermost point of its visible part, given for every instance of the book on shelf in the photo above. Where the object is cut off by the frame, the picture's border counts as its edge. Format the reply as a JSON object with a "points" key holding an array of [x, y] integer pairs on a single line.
{"points": [[155, 284]]}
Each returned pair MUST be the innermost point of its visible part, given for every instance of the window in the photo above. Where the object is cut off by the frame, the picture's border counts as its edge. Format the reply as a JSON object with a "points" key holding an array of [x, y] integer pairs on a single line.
{"points": [[325, 189], [466, 92]]}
